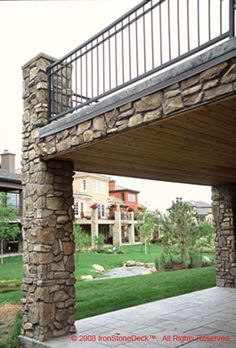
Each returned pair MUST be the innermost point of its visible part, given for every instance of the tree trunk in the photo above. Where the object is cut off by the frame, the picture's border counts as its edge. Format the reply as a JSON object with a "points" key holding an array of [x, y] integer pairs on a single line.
{"points": [[2, 251], [145, 246]]}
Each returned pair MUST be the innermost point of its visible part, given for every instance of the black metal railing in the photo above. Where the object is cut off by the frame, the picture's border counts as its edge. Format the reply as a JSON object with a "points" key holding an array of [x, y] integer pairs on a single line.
{"points": [[150, 37]]}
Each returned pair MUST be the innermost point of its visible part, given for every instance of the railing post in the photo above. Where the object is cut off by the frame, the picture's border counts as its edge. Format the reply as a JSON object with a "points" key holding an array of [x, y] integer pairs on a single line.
{"points": [[49, 93], [231, 18]]}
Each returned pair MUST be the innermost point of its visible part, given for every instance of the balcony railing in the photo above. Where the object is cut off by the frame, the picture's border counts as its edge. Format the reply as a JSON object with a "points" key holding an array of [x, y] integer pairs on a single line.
{"points": [[147, 39]]}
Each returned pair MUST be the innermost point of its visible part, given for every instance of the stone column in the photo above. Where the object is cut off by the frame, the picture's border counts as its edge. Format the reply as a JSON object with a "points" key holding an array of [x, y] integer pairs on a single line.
{"points": [[224, 210], [94, 226], [131, 229], [48, 284], [117, 228]]}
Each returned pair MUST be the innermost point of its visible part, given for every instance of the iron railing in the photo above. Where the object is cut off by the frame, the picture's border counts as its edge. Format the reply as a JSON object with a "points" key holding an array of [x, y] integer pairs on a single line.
{"points": [[150, 37]]}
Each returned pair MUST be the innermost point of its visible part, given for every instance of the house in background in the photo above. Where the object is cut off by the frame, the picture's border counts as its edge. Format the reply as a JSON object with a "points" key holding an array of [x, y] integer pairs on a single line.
{"points": [[11, 184], [203, 210], [102, 208]]}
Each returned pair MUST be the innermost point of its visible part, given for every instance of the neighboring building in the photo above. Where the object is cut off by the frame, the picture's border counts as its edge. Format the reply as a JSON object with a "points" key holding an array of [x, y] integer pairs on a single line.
{"points": [[102, 208], [128, 196], [203, 210], [10, 183]]}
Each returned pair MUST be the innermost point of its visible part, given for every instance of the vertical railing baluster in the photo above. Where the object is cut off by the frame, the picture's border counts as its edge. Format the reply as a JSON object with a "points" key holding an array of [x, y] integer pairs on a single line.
{"points": [[129, 43], [97, 68], [188, 25], [137, 53], [144, 42], [231, 18], [178, 27], [109, 57], [209, 20], [86, 72], [169, 33], [81, 77], [198, 23], [160, 32], [116, 57], [49, 93], [103, 63], [152, 39], [221, 17], [76, 82], [92, 94], [122, 52]]}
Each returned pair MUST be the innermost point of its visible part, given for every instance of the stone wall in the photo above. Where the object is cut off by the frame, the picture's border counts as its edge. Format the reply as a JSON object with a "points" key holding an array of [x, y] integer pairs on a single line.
{"points": [[48, 284], [207, 86], [224, 210]]}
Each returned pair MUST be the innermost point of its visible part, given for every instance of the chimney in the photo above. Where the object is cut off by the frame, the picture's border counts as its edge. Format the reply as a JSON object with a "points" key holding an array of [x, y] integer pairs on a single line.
{"points": [[112, 185], [8, 161]]}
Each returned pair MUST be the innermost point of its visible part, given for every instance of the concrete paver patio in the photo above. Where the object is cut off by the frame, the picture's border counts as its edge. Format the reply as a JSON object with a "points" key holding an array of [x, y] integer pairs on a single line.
{"points": [[182, 321]]}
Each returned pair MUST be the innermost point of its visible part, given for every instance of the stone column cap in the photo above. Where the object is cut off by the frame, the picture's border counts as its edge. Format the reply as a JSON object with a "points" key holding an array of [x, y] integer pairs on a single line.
{"points": [[37, 57]]}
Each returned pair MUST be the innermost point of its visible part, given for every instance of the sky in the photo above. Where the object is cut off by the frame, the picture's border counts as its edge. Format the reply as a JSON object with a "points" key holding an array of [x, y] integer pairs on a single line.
{"points": [[55, 28]]}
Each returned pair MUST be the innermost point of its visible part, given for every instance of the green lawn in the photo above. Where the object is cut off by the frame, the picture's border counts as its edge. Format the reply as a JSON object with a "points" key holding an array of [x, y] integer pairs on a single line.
{"points": [[102, 296]]}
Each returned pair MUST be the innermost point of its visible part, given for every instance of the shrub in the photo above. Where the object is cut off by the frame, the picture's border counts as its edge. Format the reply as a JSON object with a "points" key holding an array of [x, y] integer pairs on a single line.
{"points": [[12, 338]]}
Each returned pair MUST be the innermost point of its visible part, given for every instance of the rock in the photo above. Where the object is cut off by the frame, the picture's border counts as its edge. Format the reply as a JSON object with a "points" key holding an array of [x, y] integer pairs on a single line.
{"points": [[140, 264], [149, 102], [130, 263], [193, 99], [212, 72], [218, 91], [83, 127], [189, 82], [86, 277], [152, 115], [150, 265], [98, 268], [88, 136], [125, 107], [191, 90], [135, 120], [230, 75], [99, 123], [147, 271], [172, 104], [111, 117]]}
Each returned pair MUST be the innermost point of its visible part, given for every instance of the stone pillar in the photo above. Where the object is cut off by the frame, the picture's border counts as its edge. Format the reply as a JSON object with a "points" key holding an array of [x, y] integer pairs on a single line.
{"points": [[48, 284], [117, 228], [131, 229], [224, 210], [94, 226]]}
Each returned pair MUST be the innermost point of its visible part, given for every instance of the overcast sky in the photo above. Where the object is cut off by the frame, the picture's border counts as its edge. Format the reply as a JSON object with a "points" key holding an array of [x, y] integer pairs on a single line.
{"points": [[55, 28]]}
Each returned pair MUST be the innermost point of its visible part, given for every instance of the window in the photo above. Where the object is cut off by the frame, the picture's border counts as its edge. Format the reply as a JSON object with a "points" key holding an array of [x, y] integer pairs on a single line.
{"points": [[131, 197], [84, 185], [13, 199], [79, 208], [99, 186], [101, 211], [76, 208]]}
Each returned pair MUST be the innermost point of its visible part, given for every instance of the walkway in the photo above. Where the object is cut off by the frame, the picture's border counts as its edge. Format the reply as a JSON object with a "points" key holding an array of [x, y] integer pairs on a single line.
{"points": [[205, 313]]}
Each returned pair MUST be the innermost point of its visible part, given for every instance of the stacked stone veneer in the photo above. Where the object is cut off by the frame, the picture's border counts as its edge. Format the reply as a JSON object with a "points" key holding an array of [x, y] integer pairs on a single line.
{"points": [[48, 284], [224, 210], [207, 86]]}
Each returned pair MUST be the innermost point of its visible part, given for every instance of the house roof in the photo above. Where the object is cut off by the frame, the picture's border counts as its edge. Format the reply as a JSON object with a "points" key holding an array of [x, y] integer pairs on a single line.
{"points": [[202, 208], [121, 188], [7, 176]]}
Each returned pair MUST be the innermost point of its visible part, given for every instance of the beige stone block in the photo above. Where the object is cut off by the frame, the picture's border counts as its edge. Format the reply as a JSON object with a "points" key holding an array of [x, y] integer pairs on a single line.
{"points": [[171, 93], [99, 123], [111, 117], [191, 81], [33, 315], [230, 75], [46, 313], [218, 91], [152, 115], [88, 136], [149, 102], [68, 248], [83, 127], [172, 104], [193, 99], [210, 84], [212, 73], [125, 107], [191, 90], [54, 203], [45, 258], [135, 120]]}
